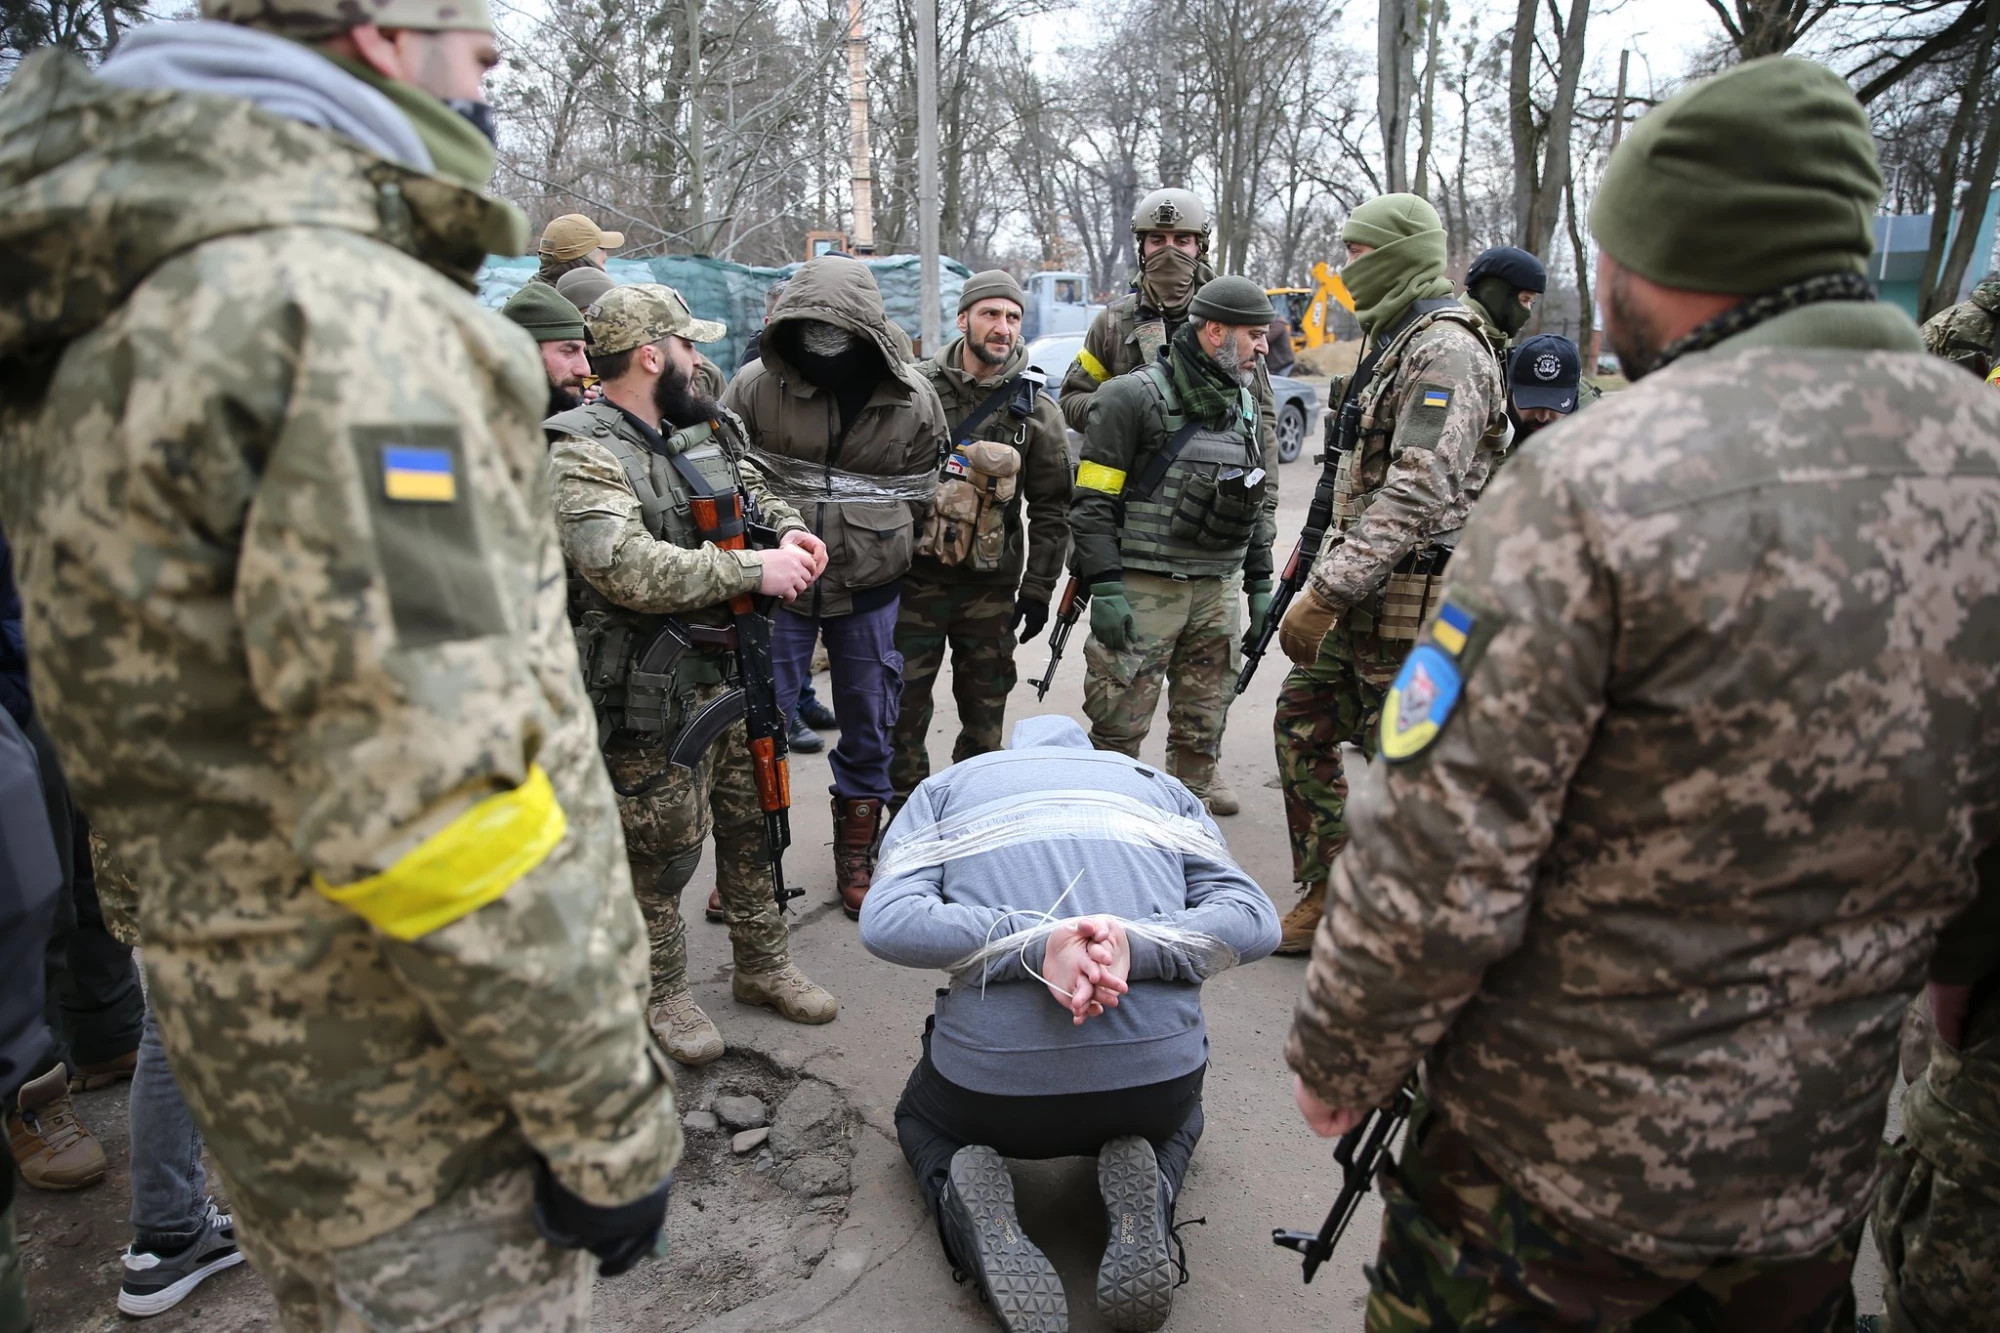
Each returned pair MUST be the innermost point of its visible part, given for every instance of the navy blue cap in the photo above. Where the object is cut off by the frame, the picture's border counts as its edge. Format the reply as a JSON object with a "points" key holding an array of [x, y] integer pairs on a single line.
{"points": [[1511, 265], [1544, 372]]}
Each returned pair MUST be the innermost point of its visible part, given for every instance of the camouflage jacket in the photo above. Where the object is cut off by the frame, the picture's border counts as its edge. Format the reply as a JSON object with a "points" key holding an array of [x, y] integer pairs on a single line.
{"points": [[1433, 421], [603, 529], [1037, 547], [1126, 335], [1969, 332], [297, 608], [1679, 786], [898, 436]]}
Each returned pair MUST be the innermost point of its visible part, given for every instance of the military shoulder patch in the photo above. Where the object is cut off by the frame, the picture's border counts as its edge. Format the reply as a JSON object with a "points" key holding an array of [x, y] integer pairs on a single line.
{"points": [[413, 474], [1425, 692], [1433, 395]]}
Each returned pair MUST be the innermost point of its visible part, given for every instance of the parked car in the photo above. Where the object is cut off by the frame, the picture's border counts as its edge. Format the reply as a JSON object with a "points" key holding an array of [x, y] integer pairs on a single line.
{"points": [[1296, 401]]}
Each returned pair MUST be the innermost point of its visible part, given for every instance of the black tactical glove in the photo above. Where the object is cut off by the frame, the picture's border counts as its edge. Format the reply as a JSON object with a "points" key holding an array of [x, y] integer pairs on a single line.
{"points": [[1029, 613], [619, 1236]]}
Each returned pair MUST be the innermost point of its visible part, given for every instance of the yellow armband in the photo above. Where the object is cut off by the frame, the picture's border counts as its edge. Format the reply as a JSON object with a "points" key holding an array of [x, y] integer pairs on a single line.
{"points": [[463, 866], [1097, 477], [1092, 367]]}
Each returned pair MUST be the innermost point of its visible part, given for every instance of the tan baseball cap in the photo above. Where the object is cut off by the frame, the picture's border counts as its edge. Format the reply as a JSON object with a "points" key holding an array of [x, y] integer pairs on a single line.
{"points": [[644, 312], [572, 236], [308, 20]]}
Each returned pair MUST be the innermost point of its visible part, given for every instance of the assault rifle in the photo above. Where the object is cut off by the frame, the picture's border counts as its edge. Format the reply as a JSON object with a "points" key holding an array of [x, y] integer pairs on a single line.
{"points": [[1075, 597], [1319, 517], [1359, 1153], [722, 520]]}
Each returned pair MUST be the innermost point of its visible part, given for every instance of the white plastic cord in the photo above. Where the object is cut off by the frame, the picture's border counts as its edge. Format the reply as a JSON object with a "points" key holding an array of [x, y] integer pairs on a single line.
{"points": [[1042, 816]]}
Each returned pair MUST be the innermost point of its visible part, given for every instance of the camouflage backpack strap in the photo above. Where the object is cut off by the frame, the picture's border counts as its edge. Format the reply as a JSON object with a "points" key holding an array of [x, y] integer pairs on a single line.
{"points": [[1151, 336]]}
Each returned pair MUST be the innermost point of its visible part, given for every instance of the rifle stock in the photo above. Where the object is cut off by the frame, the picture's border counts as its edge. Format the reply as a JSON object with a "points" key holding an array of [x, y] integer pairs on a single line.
{"points": [[1359, 1154], [763, 715], [1074, 597]]}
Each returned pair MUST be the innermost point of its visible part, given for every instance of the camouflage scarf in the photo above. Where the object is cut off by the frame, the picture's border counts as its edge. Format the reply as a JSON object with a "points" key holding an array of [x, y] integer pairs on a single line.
{"points": [[1207, 394], [1763, 307]]}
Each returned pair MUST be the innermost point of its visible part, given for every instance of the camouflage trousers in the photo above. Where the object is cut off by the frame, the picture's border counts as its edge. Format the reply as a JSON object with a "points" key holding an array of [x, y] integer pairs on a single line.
{"points": [[1188, 633], [1464, 1251], [472, 1262], [976, 622], [664, 832], [1320, 708], [1937, 1211]]}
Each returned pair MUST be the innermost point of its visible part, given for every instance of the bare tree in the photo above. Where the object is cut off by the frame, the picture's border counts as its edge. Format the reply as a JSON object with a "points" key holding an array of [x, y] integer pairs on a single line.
{"points": [[1398, 29], [1540, 132]]}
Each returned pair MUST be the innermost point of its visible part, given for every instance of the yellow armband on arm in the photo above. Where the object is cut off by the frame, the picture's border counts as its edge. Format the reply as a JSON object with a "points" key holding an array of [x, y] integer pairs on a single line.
{"points": [[463, 866]]}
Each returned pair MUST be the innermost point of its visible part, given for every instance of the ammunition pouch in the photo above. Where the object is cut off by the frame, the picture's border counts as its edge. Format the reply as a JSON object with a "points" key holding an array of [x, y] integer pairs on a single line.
{"points": [[1412, 594], [641, 673], [1216, 510], [967, 524]]}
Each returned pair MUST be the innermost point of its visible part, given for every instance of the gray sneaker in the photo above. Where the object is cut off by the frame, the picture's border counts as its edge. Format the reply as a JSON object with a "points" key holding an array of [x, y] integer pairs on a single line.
{"points": [[156, 1283]]}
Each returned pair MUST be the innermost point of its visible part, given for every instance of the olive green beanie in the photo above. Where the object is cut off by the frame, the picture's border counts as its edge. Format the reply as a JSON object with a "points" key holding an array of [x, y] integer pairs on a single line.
{"points": [[544, 312], [1406, 265], [1757, 177]]}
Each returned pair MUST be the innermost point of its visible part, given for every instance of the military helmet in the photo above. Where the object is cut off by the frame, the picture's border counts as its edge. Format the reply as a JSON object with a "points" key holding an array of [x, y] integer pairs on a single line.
{"points": [[1170, 210]]}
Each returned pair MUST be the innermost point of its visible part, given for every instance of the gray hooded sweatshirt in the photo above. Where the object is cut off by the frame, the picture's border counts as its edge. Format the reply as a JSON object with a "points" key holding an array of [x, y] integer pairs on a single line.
{"points": [[1014, 1039]]}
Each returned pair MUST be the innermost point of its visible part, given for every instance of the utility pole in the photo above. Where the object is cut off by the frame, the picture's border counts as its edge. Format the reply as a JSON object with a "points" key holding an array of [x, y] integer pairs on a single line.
{"points": [[931, 327], [857, 122], [697, 173], [1617, 129]]}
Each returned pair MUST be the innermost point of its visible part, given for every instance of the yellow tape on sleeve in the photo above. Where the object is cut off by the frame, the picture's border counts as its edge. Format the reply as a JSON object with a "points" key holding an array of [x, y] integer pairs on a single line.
{"points": [[1097, 477], [1096, 369], [463, 866]]}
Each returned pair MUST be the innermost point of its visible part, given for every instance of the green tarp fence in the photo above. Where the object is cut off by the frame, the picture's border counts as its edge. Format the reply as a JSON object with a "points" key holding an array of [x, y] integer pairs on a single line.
{"points": [[734, 293]]}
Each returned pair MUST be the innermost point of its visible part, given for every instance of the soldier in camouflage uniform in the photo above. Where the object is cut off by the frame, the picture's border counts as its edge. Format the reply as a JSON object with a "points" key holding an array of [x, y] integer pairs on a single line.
{"points": [[1969, 332], [1686, 775], [1174, 511], [1432, 427], [978, 577], [641, 567], [274, 482], [1937, 1211], [1170, 235]]}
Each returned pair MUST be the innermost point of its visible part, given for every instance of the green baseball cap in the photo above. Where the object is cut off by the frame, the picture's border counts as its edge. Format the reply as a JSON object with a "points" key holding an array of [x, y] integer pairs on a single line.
{"points": [[644, 312]]}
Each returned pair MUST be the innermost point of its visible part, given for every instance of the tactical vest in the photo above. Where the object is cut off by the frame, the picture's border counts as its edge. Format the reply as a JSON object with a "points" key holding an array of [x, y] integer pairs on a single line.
{"points": [[1193, 514], [1417, 584], [637, 706]]}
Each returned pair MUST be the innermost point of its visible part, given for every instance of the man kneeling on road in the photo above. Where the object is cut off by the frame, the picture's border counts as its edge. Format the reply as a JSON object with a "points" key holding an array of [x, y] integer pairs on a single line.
{"points": [[972, 876]]}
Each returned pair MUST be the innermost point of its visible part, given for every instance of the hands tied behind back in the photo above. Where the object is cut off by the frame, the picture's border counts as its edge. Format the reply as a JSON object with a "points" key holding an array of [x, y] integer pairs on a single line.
{"points": [[1086, 963]]}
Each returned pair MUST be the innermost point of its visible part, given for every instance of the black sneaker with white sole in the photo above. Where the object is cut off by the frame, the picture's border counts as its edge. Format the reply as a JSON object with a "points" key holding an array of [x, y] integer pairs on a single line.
{"points": [[983, 1237], [155, 1283], [1135, 1281]]}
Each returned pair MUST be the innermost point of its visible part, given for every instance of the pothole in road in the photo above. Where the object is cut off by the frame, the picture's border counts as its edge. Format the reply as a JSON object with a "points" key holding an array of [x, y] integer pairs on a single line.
{"points": [[762, 1186]]}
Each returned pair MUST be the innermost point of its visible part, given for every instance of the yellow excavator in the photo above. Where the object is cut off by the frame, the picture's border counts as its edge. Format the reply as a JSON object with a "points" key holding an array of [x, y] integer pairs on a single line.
{"points": [[1310, 309]]}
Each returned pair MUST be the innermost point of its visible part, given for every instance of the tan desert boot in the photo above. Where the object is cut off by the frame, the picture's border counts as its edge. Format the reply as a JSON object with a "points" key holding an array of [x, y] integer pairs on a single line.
{"points": [[686, 1032], [51, 1146], [788, 991], [1302, 922]]}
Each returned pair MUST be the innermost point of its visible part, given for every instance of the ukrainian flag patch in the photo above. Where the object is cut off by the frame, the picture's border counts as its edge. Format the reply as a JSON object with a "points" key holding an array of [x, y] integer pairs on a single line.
{"points": [[1436, 398], [1452, 627], [422, 476], [1425, 692]]}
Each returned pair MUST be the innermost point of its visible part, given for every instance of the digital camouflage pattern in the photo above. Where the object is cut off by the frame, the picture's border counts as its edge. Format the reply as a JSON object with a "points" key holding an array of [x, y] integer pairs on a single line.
{"points": [[396, 1280], [1655, 894], [1422, 469], [664, 833], [1969, 332], [604, 536], [1937, 1213], [258, 669], [1463, 1252], [977, 623], [1188, 634]]}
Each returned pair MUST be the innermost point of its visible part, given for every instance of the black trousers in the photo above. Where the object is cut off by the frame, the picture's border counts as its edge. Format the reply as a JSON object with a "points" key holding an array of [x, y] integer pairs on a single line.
{"points": [[936, 1117], [94, 1006]]}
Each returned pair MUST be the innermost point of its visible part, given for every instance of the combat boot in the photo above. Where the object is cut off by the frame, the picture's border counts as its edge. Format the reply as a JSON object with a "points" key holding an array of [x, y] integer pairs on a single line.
{"points": [[1200, 775], [687, 1033], [790, 993], [856, 825], [89, 1078], [1302, 922], [51, 1146]]}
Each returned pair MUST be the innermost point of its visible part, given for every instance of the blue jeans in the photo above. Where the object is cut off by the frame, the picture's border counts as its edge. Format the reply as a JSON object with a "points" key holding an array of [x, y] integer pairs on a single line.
{"points": [[169, 1187], [867, 674]]}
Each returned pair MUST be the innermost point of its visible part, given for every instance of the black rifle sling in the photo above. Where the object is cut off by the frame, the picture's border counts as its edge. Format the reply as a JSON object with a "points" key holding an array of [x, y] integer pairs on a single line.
{"points": [[961, 434]]}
